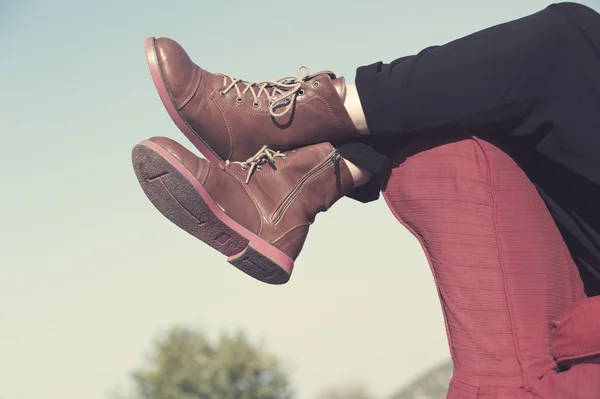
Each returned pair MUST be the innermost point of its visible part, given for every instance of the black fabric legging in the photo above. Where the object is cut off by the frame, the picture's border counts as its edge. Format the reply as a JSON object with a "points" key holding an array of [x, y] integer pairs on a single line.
{"points": [[531, 86], [507, 80]]}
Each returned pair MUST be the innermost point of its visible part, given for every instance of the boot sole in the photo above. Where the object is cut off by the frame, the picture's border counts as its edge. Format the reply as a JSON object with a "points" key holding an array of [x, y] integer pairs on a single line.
{"points": [[165, 97], [180, 197]]}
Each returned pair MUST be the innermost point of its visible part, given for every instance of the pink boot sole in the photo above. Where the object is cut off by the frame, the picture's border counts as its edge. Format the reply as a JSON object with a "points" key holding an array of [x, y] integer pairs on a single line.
{"points": [[179, 196], [167, 101]]}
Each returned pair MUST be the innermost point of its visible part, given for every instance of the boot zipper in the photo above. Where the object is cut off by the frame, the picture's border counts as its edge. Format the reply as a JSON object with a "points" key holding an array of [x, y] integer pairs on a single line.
{"points": [[332, 160]]}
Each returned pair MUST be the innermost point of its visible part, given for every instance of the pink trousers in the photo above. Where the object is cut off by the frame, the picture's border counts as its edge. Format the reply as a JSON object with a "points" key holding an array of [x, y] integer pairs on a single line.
{"points": [[518, 322]]}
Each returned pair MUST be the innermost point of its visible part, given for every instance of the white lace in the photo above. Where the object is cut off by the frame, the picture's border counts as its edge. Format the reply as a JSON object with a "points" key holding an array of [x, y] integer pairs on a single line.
{"points": [[282, 91], [264, 155]]}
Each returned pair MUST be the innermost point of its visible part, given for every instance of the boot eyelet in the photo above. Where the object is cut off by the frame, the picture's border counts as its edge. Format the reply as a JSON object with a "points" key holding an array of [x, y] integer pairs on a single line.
{"points": [[301, 92], [256, 104], [259, 167], [288, 99], [223, 94], [239, 100], [316, 84]]}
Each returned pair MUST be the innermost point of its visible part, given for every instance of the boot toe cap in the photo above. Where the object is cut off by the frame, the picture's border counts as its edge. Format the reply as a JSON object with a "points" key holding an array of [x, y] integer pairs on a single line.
{"points": [[180, 74]]}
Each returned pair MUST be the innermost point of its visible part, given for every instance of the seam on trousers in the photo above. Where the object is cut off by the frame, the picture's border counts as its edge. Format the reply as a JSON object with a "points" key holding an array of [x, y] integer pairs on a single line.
{"points": [[500, 259]]}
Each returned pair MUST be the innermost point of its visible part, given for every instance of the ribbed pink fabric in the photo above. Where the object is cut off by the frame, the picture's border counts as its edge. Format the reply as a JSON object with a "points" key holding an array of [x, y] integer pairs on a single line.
{"points": [[504, 275]]}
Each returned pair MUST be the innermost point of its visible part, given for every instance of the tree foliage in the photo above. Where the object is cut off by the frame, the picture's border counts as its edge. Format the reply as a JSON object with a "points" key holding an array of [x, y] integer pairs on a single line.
{"points": [[186, 365]]}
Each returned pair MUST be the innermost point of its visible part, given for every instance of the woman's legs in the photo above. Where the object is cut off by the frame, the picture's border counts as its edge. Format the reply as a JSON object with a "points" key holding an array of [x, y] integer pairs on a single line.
{"points": [[488, 82]]}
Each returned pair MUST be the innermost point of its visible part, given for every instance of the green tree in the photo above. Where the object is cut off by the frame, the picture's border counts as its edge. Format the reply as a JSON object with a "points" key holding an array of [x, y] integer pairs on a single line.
{"points": [[184, 364]]}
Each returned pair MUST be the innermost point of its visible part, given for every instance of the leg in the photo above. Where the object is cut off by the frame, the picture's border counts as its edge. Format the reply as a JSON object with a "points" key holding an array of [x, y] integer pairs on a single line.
{"points": [[488, 82]]}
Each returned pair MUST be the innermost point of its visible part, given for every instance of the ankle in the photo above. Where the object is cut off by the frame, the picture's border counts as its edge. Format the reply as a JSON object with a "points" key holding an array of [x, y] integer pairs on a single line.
{"points": [[359, 176], [354, 108]]}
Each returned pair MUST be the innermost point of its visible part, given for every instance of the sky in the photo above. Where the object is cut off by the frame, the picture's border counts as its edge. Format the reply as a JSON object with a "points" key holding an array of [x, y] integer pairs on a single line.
{"points": [[90, 272]]}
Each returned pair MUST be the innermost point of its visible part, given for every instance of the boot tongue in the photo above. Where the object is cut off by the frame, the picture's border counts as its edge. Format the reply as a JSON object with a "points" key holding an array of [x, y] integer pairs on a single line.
{"points": [[340, 87]]}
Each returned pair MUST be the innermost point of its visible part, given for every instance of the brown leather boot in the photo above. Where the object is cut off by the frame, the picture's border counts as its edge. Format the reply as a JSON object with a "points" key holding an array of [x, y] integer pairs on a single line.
{"points": [[231, 119], [256, 212]]}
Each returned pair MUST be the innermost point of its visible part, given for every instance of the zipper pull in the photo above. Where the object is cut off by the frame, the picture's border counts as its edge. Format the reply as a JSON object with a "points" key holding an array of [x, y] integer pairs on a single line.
{"points": [[335, 157], [336, 170]]}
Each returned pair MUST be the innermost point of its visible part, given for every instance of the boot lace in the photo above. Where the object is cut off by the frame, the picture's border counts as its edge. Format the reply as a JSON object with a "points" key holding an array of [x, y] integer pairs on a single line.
{"points": [[263, 156], [278, 92]]}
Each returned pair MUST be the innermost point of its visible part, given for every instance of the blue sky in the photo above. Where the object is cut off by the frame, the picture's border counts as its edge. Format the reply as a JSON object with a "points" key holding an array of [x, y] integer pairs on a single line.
{"points": [[90, 272]]}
